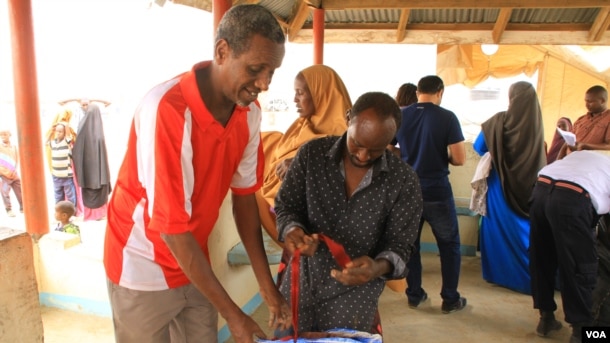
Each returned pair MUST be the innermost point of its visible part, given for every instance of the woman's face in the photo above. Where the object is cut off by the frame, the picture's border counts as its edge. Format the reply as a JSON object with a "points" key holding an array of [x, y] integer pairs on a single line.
{"points": [[303, 98], [562, 124]]}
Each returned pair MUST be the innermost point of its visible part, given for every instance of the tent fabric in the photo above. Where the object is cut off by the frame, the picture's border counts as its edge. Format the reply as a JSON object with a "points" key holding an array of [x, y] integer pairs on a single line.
{"points": [[467, 64], [561, 85]]}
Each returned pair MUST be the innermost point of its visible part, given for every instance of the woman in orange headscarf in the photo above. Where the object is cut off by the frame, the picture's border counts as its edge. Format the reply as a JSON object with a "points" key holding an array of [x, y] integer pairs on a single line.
{"points": [[322, 102]]}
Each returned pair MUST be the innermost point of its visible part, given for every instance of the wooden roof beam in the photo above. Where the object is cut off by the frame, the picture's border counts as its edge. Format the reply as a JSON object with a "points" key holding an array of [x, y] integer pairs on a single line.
{"points": [[456, 4], [205, 5], [600, 25], [456, 27], [245, 2], [300, 12], [500, 25], [401, 32]]}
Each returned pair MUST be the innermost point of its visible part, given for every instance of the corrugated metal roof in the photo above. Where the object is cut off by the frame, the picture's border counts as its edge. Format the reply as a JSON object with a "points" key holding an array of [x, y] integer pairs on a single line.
{"points": [[543, 22]]}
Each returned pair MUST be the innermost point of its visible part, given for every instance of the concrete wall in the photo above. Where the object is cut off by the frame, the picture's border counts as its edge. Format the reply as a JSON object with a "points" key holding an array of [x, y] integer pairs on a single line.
{"points": [[71, 272], [20, 316]]}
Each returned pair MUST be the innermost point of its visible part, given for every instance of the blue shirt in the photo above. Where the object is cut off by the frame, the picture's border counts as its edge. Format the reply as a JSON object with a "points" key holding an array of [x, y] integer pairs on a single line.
{"points": [[425, 133]]}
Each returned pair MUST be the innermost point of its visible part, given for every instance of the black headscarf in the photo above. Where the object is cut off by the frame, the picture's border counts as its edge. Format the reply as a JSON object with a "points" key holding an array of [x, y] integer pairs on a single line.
{"points": [[515, 139], [91, 159]]}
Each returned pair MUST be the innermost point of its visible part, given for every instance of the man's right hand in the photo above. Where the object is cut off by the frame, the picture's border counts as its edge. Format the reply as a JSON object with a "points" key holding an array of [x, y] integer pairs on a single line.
{"points": [[296, 239], [243, 329]]}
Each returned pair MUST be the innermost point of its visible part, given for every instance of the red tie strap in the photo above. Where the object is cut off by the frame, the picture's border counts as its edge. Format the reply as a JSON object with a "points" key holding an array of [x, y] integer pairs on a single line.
{"points": [[340, 256]]}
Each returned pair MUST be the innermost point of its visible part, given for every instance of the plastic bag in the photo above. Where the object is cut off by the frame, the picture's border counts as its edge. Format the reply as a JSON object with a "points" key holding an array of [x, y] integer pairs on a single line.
{"points": [[339, 335]]}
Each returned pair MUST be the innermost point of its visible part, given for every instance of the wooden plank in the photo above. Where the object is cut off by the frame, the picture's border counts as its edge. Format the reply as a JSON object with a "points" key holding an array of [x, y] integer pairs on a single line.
{"points": [[457, 27], [205, 5], [401, 31], [396, 4], [245, 2], [500, 26], [451, 37], [600, 25], [300, 12]]}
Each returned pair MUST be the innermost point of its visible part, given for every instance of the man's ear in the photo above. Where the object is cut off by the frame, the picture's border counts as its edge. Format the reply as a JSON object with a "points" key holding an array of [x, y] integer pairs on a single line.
{"points": [[221, 51], [348, 116]]}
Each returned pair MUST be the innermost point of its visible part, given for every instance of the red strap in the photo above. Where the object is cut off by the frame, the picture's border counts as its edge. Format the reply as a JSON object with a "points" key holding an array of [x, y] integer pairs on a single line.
{"points": [[336, 250], [340, 256], [294, 292]]}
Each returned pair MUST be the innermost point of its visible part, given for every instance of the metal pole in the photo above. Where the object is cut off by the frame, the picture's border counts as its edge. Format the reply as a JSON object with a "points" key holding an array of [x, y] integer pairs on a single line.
{"points": [[27, 112], [219, 7], [318, 36]]}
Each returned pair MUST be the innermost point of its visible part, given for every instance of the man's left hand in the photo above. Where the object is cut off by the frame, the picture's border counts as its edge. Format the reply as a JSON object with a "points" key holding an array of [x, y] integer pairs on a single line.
{"points": [[357, 272]]}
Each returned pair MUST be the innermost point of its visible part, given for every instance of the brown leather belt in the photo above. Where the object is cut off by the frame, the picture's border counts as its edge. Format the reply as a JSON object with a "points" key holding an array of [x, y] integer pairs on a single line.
{"points": [[563, 184]]}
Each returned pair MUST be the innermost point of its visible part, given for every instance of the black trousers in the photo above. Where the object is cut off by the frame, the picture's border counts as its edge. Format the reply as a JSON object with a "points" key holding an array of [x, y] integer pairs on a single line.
{"points": [[562, 236]]}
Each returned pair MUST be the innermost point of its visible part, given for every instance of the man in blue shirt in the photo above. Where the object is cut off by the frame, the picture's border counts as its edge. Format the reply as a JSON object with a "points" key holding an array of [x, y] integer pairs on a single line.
{"points": [[430, 137]]}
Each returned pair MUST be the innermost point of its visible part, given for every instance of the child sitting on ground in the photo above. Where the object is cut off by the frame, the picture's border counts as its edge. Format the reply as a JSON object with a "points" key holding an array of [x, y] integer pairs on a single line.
{"points": [[64, 210]]}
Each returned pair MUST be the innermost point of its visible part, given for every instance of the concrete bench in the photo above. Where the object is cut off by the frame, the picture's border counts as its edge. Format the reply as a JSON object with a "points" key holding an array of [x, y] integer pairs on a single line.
{"points": [[237, 256], [468, 223]]}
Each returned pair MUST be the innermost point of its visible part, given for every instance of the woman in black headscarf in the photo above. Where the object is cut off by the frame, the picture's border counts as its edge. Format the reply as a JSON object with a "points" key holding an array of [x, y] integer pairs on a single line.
{"points": [[515, 140], [91, 164]]}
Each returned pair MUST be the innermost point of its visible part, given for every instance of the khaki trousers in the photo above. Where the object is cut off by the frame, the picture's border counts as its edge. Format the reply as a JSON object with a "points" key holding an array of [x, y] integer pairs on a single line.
{"points": [[178, 315]]}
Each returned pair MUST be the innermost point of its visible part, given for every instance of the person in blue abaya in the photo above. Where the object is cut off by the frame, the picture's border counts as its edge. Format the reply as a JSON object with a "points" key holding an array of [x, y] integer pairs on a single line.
{"points": [[515, 140]]}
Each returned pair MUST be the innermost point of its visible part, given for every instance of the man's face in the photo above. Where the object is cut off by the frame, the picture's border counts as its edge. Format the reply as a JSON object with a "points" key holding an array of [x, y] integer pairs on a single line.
{"points": [[594, 103], [368, 137], [60, 132], [84, 104], [250, 73]]}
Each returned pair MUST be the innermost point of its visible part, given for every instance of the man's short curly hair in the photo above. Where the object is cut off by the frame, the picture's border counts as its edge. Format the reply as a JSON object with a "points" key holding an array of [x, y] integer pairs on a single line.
{"points": [[241, 22]]}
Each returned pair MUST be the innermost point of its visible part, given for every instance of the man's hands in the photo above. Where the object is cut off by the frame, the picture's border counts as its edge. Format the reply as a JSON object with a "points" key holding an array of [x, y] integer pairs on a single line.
{"points": [[361, 270], [280, 316], [243, 329], [297, 239], [576, 147], [357, 272]]}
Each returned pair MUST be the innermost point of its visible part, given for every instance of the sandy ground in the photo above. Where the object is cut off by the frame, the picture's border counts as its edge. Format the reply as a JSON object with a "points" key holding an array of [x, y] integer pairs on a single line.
{"points": [[61, 326]]}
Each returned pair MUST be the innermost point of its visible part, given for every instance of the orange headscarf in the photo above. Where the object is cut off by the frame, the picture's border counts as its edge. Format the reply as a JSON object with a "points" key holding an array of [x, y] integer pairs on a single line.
{"points": [[331, 101], [64, 117]]}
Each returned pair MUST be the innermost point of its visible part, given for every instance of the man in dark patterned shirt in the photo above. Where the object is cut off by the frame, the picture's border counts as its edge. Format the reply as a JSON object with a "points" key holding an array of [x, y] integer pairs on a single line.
{"points": [[353, 190]]}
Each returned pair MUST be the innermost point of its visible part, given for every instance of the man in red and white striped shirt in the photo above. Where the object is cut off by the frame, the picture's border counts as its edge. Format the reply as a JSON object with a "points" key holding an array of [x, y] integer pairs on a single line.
{"points": [[192, 138]]}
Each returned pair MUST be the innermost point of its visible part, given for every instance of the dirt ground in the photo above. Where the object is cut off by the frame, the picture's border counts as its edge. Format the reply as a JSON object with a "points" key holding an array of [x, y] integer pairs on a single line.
{"points": [[61, 326]]}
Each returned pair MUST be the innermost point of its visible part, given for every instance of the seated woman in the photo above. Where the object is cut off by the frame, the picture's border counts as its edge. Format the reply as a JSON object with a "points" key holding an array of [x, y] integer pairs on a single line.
{"points": [[322, 102]]}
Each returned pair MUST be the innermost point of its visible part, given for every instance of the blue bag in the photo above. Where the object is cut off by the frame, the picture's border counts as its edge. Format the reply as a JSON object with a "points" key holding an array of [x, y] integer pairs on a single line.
{"points": [[338, 335]]}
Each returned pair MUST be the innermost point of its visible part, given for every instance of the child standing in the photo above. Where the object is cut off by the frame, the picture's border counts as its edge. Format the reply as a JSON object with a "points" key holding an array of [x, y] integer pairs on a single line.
{"points": [[9, 161], [64, 210], [61, 165]]}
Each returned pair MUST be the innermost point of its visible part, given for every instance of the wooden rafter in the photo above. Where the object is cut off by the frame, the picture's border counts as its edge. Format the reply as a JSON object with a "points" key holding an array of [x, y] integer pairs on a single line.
{"points": [[401, 31], [500, 24], [600, 25], [455, 27], [205, 5], [245, 2], [455, 4], [300, 12]]}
